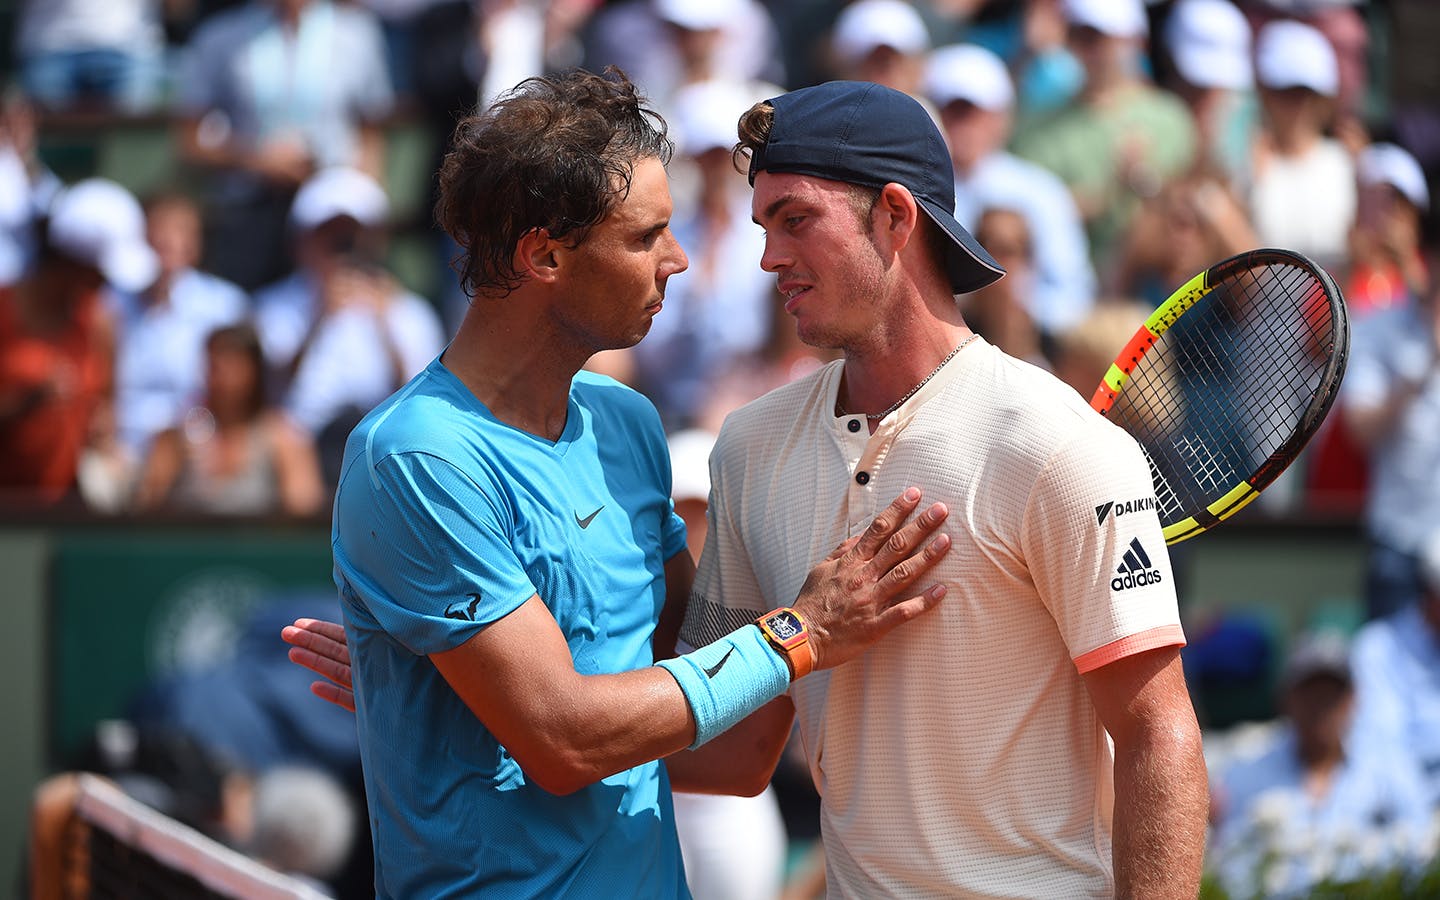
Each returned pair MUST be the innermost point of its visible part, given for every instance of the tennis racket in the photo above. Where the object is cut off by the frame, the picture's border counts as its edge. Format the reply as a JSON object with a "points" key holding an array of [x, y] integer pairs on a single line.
{"points": [[1226, 382]]}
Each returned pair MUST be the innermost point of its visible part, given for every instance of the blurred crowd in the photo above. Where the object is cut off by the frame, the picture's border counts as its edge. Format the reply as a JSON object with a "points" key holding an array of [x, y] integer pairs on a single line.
{"points": [[206, 347]]}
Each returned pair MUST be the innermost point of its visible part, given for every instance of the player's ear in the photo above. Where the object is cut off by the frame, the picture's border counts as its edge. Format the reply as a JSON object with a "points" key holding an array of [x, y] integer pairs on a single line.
{"points": [[898, 213], [536, 257]]}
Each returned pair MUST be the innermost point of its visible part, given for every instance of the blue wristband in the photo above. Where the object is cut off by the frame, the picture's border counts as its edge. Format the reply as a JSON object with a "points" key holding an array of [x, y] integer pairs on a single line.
{"points": [[728, 680]]}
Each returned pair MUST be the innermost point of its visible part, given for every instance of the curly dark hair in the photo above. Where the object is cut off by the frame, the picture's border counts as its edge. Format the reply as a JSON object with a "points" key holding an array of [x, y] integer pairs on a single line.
{"points": [[556, 152]]}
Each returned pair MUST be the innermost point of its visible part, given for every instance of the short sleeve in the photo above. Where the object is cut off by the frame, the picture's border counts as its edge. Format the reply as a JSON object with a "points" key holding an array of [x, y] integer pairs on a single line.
{"points": [[1092, 539], [430, 559]]}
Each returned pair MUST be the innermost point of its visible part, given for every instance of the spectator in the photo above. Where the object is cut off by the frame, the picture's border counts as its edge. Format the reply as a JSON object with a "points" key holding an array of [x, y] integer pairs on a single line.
{"points": [[56, 340], [1309, 807], [884, 41], [92, 54], [342, 333], [304, 823], [270, 92], [972, 89], [161, 330], [1347, 31], [734, 848], [1083, 353], [1387, 266], [1302, 194], [1211, 68], [780, 360], [251, 707], [27, 187], [233, 454], [1121, 138], [1047, 74], [1390, 403], [1194, 222], [1000, 311], [1397, 676], [719, 310], [651, 41]]}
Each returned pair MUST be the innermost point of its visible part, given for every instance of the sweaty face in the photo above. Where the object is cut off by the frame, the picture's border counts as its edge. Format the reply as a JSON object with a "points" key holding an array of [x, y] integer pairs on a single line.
{"points": [[824, 254], [616, 278]]}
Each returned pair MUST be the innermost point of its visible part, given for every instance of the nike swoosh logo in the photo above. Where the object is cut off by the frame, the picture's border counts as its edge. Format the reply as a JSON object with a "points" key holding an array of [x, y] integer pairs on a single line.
{"points": [[585, 522], [715, 669]]}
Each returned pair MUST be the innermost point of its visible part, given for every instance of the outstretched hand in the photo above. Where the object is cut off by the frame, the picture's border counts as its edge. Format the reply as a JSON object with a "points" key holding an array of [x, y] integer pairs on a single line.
{"points": [[861, 591], [320, 647]]}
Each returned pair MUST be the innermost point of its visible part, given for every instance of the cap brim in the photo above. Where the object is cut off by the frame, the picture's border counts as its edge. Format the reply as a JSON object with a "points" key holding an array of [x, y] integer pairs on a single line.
{"points": [[1211, 68], [970, 266], [131, 267]]}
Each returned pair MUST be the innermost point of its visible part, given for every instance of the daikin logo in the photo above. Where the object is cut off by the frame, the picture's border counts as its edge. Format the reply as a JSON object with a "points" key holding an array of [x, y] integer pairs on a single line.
{"points": [[1135, 569], [1122, 507]]}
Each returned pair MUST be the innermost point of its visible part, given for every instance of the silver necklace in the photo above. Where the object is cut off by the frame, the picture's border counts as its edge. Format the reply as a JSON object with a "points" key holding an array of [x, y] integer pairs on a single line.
{"points": [[916, 389]]}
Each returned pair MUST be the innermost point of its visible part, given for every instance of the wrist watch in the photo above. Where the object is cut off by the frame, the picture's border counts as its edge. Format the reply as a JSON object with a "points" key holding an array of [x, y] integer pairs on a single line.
{"points": [[787, 632]]}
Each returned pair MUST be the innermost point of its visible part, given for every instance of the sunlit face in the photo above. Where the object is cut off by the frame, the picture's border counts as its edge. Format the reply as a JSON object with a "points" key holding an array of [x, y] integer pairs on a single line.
{"points": [[828, 266], [615, 279], [174, 231], [972, 132]]}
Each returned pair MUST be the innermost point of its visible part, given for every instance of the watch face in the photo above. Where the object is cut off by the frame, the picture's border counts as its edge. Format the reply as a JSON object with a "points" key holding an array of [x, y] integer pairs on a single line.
{"points": [[784, 625]]}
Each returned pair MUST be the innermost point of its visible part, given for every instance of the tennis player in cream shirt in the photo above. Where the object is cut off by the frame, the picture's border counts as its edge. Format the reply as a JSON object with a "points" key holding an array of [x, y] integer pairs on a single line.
{"points": [[1034, 737]]}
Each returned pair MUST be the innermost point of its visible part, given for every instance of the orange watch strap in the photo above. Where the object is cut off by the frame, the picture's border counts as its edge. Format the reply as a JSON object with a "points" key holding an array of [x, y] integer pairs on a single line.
{"points": [[802, 660], [796, 649]]}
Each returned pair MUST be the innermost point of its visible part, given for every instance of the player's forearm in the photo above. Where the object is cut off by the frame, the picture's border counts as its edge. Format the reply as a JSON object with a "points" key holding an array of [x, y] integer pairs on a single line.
{"points": [[1161, 805], [602, 724], [741, 760]]}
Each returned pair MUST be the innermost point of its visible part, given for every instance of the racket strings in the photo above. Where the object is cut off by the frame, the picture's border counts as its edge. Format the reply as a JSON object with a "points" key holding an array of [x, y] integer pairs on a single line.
{"points": [[1229, 384]]}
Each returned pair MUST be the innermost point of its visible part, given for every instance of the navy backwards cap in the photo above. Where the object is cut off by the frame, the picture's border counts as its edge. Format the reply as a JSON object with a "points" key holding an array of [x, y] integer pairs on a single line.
{"points": [[870, 135]]}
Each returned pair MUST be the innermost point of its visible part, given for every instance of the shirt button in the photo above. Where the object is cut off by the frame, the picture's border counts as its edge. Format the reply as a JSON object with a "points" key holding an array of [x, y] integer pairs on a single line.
{"points": [[853, 425], [862, 478]]}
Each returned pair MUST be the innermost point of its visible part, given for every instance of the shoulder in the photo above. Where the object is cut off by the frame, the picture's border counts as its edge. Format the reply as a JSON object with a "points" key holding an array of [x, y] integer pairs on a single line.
{"points": [[781, 406], [1017, 173], [1029, 395], [608, 397], [355, 18], [429, 415], [1044, 423], [210, 295], [280, 294], [220, 28], [281, 432]]}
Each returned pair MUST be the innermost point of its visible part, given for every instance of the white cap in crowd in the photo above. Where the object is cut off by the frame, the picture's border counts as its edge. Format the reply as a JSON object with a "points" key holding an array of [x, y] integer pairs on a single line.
{"points": [[706, 112], [1210, 43], [868, 24], [690, 464], [339, 191], [1393, 165], [971, 73], [1323, 652], [698, 15], [100, 224], [1292, 54], [1116, 18]]}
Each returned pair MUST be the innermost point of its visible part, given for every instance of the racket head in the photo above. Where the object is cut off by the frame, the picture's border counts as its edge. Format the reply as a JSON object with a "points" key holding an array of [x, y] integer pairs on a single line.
{"points": [[1226, 382]]}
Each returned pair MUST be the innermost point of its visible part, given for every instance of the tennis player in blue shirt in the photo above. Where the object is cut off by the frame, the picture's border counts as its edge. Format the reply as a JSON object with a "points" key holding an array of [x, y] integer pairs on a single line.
{"points": [[505, 545]]}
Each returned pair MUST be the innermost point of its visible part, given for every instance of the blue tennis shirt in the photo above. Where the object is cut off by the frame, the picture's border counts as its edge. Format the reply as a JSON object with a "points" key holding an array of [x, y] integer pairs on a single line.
{"points": [[445, 520]]}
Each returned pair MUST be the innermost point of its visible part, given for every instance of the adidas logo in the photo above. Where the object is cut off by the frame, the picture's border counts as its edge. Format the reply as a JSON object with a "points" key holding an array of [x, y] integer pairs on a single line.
{"points": [[1135, 569], [1122, 507]]}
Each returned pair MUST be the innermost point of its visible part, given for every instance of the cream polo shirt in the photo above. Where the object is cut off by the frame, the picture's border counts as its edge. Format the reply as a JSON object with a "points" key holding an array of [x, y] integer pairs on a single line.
{"points": [[961, 755]]}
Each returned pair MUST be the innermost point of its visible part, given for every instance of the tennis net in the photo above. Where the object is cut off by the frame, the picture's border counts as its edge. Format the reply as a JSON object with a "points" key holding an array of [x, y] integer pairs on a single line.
{"points": [[132, 851]]}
